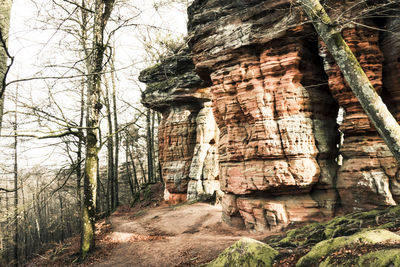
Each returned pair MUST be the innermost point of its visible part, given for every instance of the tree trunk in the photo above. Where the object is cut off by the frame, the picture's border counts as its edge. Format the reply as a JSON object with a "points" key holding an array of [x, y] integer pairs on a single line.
{"points": [[79, 152], [159, 118], [116, 143], [25, 220], [149, 148], [110, 150], [358, 81], [134, 171], [60, 200], [5, 10], [7, 232], [153, 150], [128, 171], [16, 181], [142, 170], [102, 11]]}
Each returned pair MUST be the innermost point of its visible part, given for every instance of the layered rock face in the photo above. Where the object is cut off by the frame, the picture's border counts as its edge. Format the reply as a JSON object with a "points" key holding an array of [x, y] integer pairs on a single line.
{"points": [[368, 177], [369, 174], [188, 135], [275, 93], [276, 115]]}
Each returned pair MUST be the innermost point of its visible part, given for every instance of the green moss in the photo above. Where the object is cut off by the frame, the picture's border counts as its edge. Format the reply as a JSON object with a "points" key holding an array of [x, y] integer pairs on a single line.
{"points": [[386, 225], [147, 193], [394, 210], [151, 70], [245, 253], [309, 234], [366, 214], [340, 226], [172, 66], [327, 247], [381, 258], [162, 86]]}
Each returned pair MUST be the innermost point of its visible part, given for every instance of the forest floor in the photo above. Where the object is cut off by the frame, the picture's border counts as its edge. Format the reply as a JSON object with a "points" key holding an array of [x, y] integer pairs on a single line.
{"points": [[184, 235], [158, 235]]}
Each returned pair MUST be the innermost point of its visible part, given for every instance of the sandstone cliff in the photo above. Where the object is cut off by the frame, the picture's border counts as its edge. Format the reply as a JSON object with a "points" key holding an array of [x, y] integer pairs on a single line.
{"points": [[275, 112], [188, 135], [285, 152], [276, 94]]}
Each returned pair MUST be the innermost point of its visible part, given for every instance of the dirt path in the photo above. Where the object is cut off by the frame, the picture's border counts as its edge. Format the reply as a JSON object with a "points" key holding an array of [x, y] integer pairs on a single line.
{"points": [[169, 236]]}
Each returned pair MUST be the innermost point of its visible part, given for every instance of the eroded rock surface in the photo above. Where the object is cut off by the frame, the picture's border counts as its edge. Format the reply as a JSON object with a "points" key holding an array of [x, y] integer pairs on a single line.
{"points": [[282, 153], [188, 135], [276, 115], [276, 93], [368, 176]]}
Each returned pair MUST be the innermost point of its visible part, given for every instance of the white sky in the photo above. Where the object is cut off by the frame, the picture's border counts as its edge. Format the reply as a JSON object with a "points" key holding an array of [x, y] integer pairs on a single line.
{"points": [[33, 46]]}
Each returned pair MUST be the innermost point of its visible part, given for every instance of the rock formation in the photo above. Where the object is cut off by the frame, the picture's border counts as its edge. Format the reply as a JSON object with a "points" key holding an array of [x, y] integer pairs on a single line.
{"points": [[188, 135], [275, 93], [367, 177], [276, 115], [284, 152]]}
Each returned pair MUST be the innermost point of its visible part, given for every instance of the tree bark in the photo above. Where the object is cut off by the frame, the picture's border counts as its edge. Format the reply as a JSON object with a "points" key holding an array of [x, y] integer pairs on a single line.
{"points": [[79, 152], [5, 10], [134, 170], [358, 81], [60, 200], [128, 171], [153, 153], [116, 143], [149, 147], [7, 232], [16, 181], [110, 151], [102, 13], [25, 220]]}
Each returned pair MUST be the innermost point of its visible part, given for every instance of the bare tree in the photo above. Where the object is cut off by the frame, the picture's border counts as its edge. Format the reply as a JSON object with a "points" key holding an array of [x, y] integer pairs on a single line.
{"points": [[16, 180], [5, 9], [102, 12], [116, 127]]}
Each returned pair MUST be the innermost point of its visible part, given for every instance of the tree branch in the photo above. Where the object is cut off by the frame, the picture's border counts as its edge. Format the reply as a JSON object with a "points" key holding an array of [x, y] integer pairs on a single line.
{"points": [[4, 45], [8, 190]]}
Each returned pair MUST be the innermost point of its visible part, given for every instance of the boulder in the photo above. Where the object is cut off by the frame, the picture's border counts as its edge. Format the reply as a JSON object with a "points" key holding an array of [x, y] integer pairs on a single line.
{"points": [[320, 253], [246, 252]]}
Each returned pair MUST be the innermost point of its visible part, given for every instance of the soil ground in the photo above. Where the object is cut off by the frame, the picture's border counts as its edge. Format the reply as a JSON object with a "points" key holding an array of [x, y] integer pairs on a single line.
{"points": [[170, 236], [155, 234], [181, 235]]}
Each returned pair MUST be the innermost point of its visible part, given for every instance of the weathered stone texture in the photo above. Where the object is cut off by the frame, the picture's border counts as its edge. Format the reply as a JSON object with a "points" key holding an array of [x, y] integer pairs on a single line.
{"points": [[204, 168], [366, 178], [259, 119], [188, 134], [177, 138], [275, 93], [276, 116]]}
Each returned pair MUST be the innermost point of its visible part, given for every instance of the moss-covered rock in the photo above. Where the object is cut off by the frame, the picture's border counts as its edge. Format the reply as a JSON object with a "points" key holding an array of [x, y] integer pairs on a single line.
{"points": [[381, 258], [246, 252], [324, 249], [172, 81], [349, 224], [170, 67]]}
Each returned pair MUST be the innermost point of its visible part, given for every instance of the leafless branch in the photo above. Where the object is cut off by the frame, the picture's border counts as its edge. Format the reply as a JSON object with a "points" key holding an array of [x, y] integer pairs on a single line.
{"points": [[3, 82]]}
